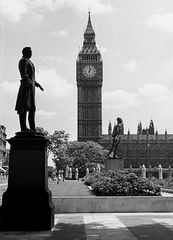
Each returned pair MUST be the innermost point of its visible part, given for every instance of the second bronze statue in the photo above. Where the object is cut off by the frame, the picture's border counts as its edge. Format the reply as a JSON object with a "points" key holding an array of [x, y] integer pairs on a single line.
{"points": [[116, 138], [26, 95]]}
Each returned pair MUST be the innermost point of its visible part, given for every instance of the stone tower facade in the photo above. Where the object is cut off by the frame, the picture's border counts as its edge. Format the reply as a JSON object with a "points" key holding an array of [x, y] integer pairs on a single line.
{"points": [[89, 77]]}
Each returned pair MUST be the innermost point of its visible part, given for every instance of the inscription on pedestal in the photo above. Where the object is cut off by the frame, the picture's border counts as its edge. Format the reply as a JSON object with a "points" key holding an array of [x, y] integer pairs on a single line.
{"points": [[114, 164]]}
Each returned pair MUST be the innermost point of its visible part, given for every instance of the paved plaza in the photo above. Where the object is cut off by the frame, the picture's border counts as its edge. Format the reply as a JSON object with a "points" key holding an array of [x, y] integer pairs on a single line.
{"points": [[98, 226], [103, 226]]}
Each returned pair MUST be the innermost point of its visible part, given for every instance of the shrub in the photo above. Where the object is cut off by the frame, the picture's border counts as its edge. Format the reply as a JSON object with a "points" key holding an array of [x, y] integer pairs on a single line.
{"points": [[92, 177], [121, 183]]}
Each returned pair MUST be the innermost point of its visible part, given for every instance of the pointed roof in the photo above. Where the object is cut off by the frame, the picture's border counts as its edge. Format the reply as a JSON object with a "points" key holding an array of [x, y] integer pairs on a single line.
{"points": [[151, 123], [89, 28], [89, 44]]}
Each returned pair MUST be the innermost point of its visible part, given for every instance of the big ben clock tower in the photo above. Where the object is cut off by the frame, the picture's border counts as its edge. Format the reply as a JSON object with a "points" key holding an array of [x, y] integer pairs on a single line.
{"points": [[89, 76]]}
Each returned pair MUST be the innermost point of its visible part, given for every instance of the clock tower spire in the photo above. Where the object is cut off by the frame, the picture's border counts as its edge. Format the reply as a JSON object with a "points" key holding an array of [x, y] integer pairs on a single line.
{"points": [[89, 77], [89, 35]]}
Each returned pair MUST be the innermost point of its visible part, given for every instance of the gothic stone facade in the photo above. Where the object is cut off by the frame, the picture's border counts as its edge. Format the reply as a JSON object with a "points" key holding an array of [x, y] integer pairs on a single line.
{"points": [[146, 147]]}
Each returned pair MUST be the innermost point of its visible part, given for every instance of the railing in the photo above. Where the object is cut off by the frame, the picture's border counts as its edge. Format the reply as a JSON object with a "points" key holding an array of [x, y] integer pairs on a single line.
{"points": [[157, 172]]}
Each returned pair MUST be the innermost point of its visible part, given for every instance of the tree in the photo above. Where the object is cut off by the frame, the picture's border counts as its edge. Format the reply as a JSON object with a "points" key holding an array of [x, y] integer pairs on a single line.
{"points": [[74, 154], [85, 154], [58, 138], [60, 158], [42, 130], [51, 172], [46, 134], [58, 147]]}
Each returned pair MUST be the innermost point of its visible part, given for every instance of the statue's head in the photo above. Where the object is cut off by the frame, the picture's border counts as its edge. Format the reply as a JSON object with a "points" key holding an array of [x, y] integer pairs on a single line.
{"points": [[119, 120], [27, 52]]}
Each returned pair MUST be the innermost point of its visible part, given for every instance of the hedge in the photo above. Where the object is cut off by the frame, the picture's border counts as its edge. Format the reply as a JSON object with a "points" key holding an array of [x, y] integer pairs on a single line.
{"points": [[120, 183]]}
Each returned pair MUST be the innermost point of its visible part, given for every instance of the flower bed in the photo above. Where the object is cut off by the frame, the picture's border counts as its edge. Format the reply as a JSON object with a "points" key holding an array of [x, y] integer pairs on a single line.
{"points": [[120, 184]]}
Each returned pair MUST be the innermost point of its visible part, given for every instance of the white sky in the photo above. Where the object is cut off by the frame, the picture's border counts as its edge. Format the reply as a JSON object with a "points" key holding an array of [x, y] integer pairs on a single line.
{"points": [[136, 41]]}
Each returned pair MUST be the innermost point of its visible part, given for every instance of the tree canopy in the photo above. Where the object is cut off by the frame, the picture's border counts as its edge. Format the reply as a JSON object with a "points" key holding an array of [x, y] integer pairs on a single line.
{"points": [[84, 154], [75, 154]]}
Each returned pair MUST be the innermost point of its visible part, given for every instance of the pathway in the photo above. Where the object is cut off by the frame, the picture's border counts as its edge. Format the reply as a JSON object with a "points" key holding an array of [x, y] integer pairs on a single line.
{"points": [[103, 226], [69, 188]]}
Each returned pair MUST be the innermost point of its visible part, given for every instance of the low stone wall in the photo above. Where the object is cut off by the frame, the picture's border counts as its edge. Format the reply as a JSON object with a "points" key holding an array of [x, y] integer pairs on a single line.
{"points": [[119, 204]]}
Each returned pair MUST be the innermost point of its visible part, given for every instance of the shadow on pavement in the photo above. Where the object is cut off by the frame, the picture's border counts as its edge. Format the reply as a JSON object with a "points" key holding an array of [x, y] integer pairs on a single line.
{"points": [[73, 228]]}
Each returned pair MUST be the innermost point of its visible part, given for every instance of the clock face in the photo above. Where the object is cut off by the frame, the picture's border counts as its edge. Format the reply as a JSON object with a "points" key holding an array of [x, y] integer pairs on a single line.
{"points": [[89, 71]]}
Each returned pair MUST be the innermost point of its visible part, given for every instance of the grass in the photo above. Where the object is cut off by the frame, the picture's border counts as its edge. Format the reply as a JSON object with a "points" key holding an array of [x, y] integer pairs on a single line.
{"points": [[67, 188]]}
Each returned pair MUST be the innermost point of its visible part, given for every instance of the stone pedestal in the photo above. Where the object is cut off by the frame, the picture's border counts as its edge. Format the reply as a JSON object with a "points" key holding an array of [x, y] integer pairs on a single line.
{"points": [[27, 203], [114, 164]]}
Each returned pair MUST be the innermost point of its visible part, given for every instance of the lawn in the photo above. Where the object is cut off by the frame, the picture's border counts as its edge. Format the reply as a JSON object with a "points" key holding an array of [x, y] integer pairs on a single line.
{"points": [[67, 188]]}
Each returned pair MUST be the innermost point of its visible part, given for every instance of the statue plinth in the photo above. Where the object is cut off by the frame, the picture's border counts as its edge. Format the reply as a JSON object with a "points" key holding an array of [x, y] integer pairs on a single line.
{"points": [[114, 164], [27, 203]]}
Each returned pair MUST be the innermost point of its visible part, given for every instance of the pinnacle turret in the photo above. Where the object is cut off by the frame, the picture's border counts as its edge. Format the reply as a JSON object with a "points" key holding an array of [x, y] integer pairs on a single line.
{"points": [[110, 128]]}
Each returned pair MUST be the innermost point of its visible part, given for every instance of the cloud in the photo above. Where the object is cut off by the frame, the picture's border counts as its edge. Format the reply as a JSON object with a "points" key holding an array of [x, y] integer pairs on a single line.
{"points": [[51, 58], [130, 66], [13, 10], [163, 22], [152, 95], [46, 114], [150, 101], [36, 18], [54, 85], [119, 99], [61, 33], [102, 50], [157, 102], [9, 87], [96, 6]]}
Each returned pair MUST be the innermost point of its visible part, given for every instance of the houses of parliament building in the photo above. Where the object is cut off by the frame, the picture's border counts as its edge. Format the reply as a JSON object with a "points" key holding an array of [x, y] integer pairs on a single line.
{"points": [[146, 147]]}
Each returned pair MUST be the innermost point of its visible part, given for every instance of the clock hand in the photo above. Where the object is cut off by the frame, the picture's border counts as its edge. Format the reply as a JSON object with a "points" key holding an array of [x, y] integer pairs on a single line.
{"points": [[89, 69]]}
